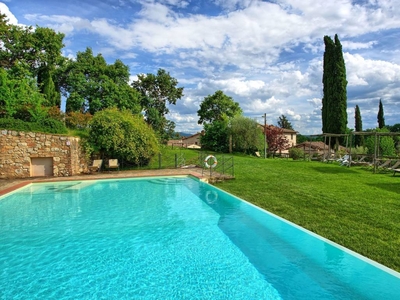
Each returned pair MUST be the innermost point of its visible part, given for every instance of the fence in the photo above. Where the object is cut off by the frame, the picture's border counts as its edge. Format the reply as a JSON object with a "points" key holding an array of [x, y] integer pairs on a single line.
{"points": [[221, 167]]}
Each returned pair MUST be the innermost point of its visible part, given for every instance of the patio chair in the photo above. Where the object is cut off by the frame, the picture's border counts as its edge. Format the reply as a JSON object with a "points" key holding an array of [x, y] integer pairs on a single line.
{"points": [[96, 165], [344, 161], [113, 164]]}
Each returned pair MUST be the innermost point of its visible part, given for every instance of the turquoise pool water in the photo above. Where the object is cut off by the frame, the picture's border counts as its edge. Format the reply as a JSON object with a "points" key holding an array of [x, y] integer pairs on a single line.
{"points": [[168, 238]]}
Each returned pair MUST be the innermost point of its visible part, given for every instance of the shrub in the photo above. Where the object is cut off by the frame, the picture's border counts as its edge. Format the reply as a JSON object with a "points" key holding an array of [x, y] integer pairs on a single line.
{"points": [[45, 126], [122, 135], [77, 120], [296, 153]]}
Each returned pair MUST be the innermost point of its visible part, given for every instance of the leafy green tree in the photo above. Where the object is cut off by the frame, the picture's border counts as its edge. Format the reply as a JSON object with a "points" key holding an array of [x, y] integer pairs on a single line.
{"points": [[301, 138], [122, 135], [216, 107], [91, 85], [334, 101], [394, 128], [283, 122], [20, 98], [381, 118], [359, 139], [386, 143], [37, 49], [157, 91], [246, 135], [396, 138], [216, 136]]}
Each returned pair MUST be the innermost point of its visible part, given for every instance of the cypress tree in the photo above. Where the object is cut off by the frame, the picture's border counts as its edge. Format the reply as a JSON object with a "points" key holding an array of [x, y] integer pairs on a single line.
{"points": [[334, 101], [381, 118], [48, 88], [359, 139]]}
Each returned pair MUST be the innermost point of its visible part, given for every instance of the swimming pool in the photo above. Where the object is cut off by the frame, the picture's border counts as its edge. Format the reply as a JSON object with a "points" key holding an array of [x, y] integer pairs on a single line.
{"points": [[168, 238]]}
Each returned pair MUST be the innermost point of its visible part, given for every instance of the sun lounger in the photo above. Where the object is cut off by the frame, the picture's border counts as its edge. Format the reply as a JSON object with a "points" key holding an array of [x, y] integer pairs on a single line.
{"points": [[113, 164], [395, 165], [385, 165], [96, 165]]}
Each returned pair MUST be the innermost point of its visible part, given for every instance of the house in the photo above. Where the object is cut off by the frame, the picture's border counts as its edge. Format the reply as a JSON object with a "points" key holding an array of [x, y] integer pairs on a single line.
{"points": [[289, 134], [313, 148], [175, 143], [192, 141]]}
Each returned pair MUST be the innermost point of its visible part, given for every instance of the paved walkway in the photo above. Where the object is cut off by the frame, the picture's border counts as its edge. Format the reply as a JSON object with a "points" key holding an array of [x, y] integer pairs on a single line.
{"points": [[8, 185]]}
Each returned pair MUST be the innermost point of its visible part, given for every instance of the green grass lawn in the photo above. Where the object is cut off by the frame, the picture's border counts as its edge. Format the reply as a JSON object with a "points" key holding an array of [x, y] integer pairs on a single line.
{"points": [[350, 206]]}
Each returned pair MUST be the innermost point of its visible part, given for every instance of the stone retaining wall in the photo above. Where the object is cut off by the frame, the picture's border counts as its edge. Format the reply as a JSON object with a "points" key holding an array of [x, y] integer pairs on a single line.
{"points": [[17, 149]]}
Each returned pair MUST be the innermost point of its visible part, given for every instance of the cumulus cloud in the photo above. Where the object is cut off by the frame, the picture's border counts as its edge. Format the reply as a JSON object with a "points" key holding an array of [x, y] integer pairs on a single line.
{"points": [[5, 10], [265, 55]]}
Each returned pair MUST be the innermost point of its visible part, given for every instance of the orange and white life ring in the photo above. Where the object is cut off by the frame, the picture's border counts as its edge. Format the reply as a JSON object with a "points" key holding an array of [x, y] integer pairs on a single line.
{"points": [[214, 161]]}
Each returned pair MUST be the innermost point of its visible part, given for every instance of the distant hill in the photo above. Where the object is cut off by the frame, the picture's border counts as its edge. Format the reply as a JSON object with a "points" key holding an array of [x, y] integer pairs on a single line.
{"points": [[184, 134]]}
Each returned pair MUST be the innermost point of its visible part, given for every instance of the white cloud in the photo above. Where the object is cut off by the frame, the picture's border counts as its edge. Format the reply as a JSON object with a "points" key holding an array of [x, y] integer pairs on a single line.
{"points": [[348, 45], [266, 55], [11, 18]]}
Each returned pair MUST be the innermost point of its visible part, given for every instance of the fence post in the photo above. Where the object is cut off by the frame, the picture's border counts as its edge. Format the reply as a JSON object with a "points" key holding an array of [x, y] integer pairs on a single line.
{"points": [[159, 160]]}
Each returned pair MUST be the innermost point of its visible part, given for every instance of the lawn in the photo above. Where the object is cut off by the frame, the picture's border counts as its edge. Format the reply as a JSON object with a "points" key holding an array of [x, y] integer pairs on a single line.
{"points": [[350, 206]]}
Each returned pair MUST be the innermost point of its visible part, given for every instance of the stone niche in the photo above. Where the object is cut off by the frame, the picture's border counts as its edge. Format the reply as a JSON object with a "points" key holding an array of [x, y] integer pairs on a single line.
{"points": [[32, 154]]}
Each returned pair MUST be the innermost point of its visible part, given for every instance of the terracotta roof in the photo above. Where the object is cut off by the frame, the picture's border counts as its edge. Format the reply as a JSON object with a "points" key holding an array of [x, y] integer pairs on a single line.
{"points": [[313, 145], [193, 135], [283, 129]]}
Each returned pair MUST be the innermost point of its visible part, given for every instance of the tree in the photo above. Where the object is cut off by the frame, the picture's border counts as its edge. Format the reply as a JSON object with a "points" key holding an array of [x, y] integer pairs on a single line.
{"points": [[246, 135], [91, 85], [381, 118], [37, 47], [276, 140], [334, 101], [386, 145], [359, 139], [283, 122], [216, 136], [48, 88], [157, 91], [216, 107], [120, 134]]}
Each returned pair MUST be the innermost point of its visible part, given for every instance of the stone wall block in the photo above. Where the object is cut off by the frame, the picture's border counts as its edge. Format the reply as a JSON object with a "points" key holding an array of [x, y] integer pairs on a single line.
{"points": [[18, 148]]}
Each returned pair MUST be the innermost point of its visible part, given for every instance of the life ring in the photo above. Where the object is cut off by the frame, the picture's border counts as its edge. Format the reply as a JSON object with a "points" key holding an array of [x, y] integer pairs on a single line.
{"points": [[214, 161]]}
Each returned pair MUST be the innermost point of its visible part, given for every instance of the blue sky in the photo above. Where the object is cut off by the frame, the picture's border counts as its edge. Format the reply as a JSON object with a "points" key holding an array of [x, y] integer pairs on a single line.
{"points": [[266, 55]]}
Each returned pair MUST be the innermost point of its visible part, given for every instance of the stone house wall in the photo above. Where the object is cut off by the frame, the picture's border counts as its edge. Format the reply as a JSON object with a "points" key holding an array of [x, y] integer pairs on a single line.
{"points": [[17, 148]]}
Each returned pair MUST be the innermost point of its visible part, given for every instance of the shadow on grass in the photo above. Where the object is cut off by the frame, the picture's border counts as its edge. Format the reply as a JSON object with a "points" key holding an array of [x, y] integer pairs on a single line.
{"points": [[338, 170], [391, 187]]}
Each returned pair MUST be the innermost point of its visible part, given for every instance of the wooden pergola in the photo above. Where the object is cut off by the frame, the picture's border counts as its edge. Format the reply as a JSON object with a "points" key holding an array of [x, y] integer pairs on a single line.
{"points": [[349, 137]]}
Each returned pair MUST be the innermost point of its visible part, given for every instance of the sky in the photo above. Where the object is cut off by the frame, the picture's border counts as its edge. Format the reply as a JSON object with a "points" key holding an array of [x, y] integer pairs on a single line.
{"points": [[266, 55]]}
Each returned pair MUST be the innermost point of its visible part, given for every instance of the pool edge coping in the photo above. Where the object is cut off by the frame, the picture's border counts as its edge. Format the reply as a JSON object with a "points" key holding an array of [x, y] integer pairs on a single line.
{"points": [[171, 173]]}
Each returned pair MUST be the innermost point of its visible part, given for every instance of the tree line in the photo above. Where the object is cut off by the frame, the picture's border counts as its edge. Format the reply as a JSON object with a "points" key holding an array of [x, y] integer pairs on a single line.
{"points": [[35, 76], [334, 104]]}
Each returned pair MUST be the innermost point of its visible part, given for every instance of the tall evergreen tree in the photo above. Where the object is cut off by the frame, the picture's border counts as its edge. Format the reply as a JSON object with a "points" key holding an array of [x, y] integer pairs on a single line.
{"points": [[359, 140], [283, 122], [381, 118], [334, 101]]}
